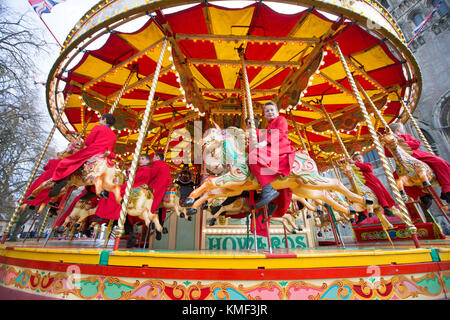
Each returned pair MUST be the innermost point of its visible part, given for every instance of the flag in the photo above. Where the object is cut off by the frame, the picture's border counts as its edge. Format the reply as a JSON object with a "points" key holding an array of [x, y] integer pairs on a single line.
{"points": [[424, 22], [44, 6]]}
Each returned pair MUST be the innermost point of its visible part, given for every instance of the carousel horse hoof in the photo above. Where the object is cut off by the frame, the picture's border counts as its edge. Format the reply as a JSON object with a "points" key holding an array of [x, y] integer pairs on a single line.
{"points": [[104, 194], [388, 212], [76, 225], [308, 216], [319, 212], [30, 198], [352, 220], [57, 187], [32, 207], [426, 184], [189, 218], [60, 229], [319, 234], [368, 199], [191, 211], [299, 228], [182, 215], [165, 231], [293, 231], [53, 204], [204, 205], [361, 218], [212, 222], [88, 196], [188, 202], [158, 235], [371, 214], [268, 194]]}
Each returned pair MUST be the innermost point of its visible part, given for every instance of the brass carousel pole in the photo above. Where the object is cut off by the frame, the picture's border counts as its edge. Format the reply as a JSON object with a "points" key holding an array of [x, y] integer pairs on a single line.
{"points": [[13, 219], [149, 109], [253, 138], [378, 146], [298, 131], [119, 96], [44, 222], [416, 126]]}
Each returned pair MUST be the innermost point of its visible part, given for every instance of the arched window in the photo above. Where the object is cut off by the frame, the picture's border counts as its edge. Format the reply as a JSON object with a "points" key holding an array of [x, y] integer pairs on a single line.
{"points": [[384, 3], [444, 118], [417, 18], [443, 8]]}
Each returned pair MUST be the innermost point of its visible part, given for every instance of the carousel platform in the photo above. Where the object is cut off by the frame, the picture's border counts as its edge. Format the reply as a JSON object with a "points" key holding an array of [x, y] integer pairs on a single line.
{"points": [[81, 270]]}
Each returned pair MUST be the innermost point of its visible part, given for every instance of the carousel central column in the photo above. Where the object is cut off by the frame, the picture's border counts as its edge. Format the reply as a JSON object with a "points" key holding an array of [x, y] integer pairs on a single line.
{"points": [[378, 146], [13, 219], [149, 109]]}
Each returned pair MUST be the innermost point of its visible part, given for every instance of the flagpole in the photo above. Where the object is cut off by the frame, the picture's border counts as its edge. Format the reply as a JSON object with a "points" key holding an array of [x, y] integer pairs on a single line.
{"points": [[428, 18], [40, 17]]}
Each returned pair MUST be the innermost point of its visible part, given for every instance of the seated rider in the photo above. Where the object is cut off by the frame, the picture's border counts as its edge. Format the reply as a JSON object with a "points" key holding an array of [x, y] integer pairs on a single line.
{"points": [[100, 140], [185, 180], [440, 167], [384, 197], [273, 156]]}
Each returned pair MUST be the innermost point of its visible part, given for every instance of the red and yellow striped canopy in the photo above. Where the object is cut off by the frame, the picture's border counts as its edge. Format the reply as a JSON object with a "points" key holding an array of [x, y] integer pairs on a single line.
{"points": [[289, 59]]}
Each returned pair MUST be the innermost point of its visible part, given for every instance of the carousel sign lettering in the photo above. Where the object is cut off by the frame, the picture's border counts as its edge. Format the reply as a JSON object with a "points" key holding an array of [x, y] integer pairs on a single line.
{"points": [[240, 242]]}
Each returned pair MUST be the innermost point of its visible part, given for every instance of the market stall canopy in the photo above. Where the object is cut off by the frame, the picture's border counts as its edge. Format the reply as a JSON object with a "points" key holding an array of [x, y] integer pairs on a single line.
{"points": [[289, 59]]}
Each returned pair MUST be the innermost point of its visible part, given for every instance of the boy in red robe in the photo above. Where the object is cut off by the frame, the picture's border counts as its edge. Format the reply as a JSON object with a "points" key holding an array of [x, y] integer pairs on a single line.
{"points": [[440, 167], [272, 157], [384, 197], [100, 140], [109, 209], [159, 181]]}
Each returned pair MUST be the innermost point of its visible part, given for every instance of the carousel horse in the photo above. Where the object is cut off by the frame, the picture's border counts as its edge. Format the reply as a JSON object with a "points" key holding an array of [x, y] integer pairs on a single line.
{"points": [[139, 205], [323, 222], [80, 212], [97, 171], [304, 180], [412, 172], [238, 206], [353, 174], [171, 202]]}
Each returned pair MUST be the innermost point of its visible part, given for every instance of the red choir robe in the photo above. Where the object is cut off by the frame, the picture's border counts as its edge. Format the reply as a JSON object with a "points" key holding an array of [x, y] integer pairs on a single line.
{"points": [[108, 208], [440, 167], [42, 197], [273, 160], [384, 197], [100, 140], [159, 181]]}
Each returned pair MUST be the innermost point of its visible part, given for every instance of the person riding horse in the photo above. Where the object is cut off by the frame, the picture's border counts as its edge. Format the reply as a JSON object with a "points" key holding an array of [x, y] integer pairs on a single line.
{"points": [[101, 139], [440, 167]]}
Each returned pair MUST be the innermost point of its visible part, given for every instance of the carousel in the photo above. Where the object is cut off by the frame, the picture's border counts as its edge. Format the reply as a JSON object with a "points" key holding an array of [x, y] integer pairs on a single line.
{"points": [[182, 83]]}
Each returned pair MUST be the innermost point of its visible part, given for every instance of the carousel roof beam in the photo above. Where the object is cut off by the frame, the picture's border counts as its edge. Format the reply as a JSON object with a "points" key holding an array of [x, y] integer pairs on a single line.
{"points": [[123, 64], [236, 63], [138, 83], [238, 91], [336, 84], [248, 38], [310, 106], [350, 107], [177, 53]]}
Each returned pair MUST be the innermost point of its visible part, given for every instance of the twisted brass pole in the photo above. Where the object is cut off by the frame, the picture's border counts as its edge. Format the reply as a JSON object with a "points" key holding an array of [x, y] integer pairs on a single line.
{"points": [[416, 126], [119, 96], [298, 131], [149, 109], [253, 138], [376, 141], [13, 219], [44, 222]]}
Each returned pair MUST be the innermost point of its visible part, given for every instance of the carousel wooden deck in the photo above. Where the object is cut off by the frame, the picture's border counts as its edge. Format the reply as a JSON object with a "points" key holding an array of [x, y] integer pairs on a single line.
{"points": [[63, 270]]}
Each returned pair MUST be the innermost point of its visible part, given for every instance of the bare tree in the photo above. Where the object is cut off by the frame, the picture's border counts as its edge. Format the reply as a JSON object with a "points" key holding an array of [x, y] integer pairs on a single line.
{"points": [[21, 134]]}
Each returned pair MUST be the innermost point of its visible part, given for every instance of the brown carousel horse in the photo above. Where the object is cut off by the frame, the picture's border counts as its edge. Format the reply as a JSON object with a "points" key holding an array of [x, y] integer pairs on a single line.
{"points": [[304, 180], [97, 171], [357, 183], [80, 212], [411, 171]]}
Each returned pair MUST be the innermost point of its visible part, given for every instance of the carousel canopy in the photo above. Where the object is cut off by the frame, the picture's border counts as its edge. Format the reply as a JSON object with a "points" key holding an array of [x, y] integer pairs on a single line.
{"points": [[290, 58]]}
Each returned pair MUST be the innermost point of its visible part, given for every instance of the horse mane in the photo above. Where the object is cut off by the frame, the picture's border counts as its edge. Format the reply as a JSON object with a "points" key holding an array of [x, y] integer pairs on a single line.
{"points": [[358, 174], [402, 144], [238, 135]]}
